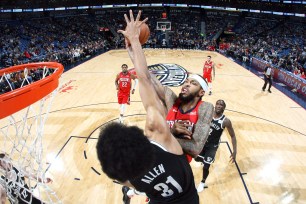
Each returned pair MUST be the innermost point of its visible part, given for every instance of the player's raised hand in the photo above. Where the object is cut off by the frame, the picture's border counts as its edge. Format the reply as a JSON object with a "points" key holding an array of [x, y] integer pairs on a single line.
{"points": [[132, 30]]}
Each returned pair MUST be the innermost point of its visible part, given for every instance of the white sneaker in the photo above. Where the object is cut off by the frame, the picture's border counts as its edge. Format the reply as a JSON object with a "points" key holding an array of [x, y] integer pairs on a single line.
{"points": [[201, 187]]}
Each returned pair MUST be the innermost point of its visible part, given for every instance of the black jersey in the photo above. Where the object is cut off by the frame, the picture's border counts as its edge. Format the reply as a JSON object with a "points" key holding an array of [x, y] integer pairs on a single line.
{"points": [[170, 180], [216, 130], [17, 188]]}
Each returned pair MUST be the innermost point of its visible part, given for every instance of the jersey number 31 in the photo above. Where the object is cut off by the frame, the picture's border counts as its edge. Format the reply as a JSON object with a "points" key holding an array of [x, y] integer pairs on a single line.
{"points": [[165, 187]]}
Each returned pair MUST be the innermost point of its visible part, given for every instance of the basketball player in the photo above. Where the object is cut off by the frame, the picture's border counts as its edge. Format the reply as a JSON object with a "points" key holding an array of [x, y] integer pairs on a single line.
{"points": [[208, 67], [187, 115], [123, 85], [152, 161], [218, 124], [17, 188]]}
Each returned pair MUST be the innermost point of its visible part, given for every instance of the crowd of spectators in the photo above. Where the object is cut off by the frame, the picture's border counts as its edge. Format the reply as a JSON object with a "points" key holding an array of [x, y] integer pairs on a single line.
{"points": [[69, 39], [50, 39], [280, 43]]}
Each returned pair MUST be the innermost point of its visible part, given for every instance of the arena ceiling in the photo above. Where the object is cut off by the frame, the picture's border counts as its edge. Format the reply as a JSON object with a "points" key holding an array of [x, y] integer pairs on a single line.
{"points": [[297, 6]]}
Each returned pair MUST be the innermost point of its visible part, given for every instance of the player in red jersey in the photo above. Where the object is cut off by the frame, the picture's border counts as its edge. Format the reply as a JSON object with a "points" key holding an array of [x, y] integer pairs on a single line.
{"points": [[188, 116], [208, 67], [123, 85]]}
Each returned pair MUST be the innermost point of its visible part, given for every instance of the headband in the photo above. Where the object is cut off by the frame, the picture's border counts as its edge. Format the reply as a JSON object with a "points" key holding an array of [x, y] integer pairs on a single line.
{"points": [[201, 81]]}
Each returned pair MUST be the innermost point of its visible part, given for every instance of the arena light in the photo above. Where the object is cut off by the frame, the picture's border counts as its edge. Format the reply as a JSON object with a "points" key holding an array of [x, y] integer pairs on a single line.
{"points": [[131, 5], [71, 8], [83, 7], [266, 11], [144, 5], [230, 9], [278, 13], [60, 9], [169, 5], [206, 7], [17, 10], [195, 6], [156, 4], [182, 5], [38, 9], [120, 5], [289, 14], [107, 6], [96, 7]]}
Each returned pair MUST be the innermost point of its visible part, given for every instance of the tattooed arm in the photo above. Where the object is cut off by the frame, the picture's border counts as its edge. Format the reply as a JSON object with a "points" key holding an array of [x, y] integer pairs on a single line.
{"points": [[201, 131]]}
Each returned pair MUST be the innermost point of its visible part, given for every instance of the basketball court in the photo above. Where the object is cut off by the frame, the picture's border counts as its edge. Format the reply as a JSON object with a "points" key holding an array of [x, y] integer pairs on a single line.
{"points": [[270, 131]]}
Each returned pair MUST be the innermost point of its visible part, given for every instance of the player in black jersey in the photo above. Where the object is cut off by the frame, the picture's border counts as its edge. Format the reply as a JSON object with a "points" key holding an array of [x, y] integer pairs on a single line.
{"points": [[218, 124], [13, 184], [152, 161]]}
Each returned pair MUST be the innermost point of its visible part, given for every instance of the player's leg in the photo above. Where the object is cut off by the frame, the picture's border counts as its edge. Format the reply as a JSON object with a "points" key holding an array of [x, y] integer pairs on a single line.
{"points": [[125, 100], [202, 184], [209, 81], [208, 156], [266, 81], [208, 78], [270, 84], [121, 107], [122, 110], [126, 198]]}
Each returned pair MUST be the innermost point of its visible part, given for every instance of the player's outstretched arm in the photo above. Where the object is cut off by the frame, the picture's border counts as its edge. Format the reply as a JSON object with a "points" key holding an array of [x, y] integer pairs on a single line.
{"points": [[201, 131], [156, 127]]}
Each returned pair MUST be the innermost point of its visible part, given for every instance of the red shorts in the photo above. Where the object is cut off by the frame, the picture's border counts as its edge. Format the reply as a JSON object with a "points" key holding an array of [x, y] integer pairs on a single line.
{"points": [[207, 76], [123, 98]]}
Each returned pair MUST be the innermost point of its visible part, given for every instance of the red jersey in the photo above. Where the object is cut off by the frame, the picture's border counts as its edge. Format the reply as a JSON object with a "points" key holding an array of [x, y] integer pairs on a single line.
{"points": [[207, 67], [190, 117], [124, 82]]}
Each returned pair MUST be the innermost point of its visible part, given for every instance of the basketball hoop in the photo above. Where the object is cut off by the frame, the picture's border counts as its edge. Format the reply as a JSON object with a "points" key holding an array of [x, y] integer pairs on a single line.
{"points": [[26, 95], [20, 98]]}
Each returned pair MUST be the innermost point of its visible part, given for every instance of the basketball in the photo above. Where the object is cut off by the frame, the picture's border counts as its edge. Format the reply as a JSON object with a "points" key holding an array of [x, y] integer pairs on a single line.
{"points": [[144, 34]]}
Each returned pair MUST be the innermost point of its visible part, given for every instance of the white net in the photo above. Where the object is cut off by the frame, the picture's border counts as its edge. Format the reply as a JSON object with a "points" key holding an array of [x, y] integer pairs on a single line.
{"points": [[22, 170]]}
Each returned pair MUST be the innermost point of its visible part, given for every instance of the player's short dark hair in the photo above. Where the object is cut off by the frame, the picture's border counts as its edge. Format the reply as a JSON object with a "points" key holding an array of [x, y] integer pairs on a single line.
{"points": [[209, 56], [124, 152], [2, 155], [124, 65]]}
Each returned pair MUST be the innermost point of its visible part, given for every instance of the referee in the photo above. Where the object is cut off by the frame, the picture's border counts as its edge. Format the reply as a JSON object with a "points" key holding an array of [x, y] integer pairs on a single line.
{"points": [[268, 78]]}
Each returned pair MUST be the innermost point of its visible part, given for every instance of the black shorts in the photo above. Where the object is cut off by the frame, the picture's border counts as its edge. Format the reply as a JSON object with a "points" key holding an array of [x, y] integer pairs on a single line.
{"points": [[208, 154], [34, 201]]}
